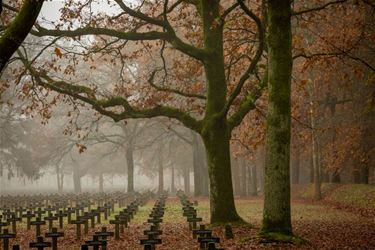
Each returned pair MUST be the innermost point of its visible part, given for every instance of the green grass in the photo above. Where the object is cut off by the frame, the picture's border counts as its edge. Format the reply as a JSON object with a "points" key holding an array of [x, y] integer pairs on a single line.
{"points": [[306, 191], [360, 195]]}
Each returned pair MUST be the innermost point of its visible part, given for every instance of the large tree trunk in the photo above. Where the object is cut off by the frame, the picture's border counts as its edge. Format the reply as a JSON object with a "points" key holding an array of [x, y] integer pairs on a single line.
{"points": [[222, 205], [276, 213], [215, 131], [14, 34], [130, 164]]}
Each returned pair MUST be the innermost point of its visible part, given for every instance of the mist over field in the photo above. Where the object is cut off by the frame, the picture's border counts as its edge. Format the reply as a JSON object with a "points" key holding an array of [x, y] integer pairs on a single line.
{"points": [[187, 124]]}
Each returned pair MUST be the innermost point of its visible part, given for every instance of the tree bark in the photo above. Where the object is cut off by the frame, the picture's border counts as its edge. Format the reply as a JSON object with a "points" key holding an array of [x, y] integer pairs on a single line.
{"points": [[130, 165], [215, 131], [18, 30], [222, 207], [276, 213]]}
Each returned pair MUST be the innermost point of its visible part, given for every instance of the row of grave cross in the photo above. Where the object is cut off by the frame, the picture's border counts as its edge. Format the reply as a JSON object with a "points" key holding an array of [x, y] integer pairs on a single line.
{"points": [[155, 218], [205, 239], [84, 214]]}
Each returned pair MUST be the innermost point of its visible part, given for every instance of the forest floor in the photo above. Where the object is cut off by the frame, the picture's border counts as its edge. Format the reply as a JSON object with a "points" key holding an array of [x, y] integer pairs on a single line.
{"points": [[344, 219]]}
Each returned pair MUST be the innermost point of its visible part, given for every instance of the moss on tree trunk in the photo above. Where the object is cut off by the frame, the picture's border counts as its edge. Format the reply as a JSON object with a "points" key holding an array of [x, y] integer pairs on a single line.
{"points": [[276, 214], [222, 205], [18, 30]]}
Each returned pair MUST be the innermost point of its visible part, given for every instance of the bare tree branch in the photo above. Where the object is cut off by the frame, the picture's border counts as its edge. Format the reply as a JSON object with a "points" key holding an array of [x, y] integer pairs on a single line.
{"points": [[300, 12], [254, 61], [170, 90]]}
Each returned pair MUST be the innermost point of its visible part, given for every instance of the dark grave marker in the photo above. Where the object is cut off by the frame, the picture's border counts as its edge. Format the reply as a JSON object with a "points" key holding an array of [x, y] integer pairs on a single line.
{"points": [[117, 224], [103, 234], [28, 217], [54, 234], [13, 220], [40, 244], [78, 224], [96, 243], [37, 223], [50, 218], [60, 215], [5, 237]]}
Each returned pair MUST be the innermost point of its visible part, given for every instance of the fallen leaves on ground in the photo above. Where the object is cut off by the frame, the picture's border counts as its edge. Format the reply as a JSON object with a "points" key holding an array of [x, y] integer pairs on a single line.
{"points": [[324, 226]]}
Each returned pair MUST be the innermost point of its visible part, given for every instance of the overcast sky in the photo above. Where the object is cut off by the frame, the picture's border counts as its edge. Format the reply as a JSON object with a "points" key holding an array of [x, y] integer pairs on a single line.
{"points": [[50, 10]]}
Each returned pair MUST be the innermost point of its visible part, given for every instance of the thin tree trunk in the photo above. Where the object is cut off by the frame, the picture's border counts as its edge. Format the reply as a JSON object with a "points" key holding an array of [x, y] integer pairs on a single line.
{"points": [[249, 178], [243, 178], [77, 180], [173, 186], [101, 183], [130, 165], [365, 174], [336, 177], [186, 180], [236, 177], [311, 164], [198, 177], [315, 152], [58, 177], [296, 166], [161, 173], [61, 182], [204, 169], [254, 185], [276, 213]]}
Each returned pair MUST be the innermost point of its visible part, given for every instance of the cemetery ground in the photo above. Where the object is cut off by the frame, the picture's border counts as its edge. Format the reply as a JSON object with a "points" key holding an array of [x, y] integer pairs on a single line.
{"points": [[344, 219]]}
